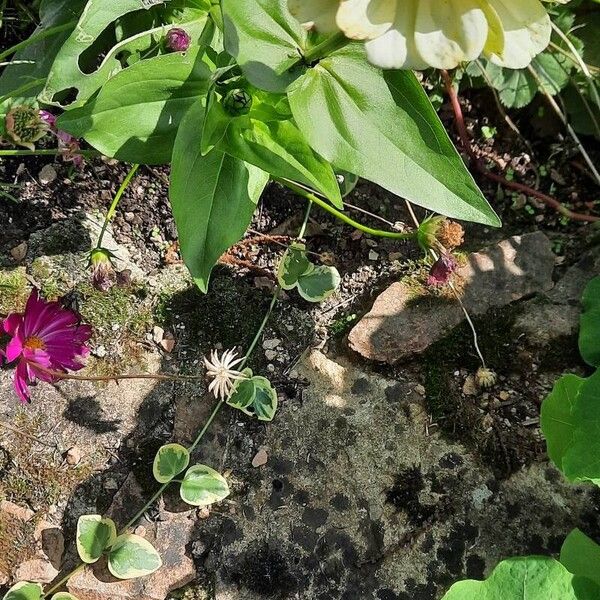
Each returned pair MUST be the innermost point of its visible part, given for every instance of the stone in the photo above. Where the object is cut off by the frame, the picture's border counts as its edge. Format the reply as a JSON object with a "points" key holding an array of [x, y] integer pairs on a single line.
{"points": [[470, 387], [47, 174], [260, 459], [37, 570], [19, 252], [556, 314], [73, 456], [405, 321]]}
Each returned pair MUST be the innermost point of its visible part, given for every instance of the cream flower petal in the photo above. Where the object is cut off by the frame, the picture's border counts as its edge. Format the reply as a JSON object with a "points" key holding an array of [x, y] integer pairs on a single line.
{"points": [[365, 19], [449, 32], [527, 30], [396, 48], [315, 14]]}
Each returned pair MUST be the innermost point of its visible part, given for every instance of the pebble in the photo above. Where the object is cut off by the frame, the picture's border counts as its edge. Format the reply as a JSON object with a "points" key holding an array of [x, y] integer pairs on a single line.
{"points": [[470, 387], [157, 334], [420, 389], [270, 354], [73, 456], [19, 252], [47, 174], [271, 344], [504, 395], [260, 458], [100, 352], [373, 255]]}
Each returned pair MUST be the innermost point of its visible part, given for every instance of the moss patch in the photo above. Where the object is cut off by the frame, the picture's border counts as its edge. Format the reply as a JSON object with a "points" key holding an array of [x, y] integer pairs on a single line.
{"points": [[14, 290]]}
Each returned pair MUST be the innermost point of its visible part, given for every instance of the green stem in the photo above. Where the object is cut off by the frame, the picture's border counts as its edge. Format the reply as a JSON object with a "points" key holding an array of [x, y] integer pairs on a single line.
{"points": [[113, 207], [23, 88], [36, 38], [64, 580], [325, 48], [53, 152], [411, 235]]}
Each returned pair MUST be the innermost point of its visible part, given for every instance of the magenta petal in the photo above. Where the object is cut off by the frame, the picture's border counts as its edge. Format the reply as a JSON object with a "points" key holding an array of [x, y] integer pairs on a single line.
{"points": [[14, 348], [12, 323], [20, 382]]}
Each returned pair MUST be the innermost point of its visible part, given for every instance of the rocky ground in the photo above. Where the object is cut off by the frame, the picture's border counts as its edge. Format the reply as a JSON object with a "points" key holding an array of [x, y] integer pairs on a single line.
{"points": [[387, 473]]}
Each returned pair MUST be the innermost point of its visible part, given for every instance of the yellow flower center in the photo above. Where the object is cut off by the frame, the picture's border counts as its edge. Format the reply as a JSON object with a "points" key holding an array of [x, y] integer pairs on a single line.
{"points": [[34, 343]]}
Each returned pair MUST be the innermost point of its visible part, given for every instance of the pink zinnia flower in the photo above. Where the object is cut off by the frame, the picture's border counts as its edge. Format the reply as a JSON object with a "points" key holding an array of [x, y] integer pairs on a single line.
{"points": [[178, 40], [442, 270], [46, 336]]}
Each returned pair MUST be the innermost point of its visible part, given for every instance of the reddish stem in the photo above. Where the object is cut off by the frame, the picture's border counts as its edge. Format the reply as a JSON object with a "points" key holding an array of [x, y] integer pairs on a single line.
{"points": [[480, 167]]}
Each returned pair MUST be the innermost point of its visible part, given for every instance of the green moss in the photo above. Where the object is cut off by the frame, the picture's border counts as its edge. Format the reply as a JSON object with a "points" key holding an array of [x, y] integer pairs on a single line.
{"points": [[14, 290]]}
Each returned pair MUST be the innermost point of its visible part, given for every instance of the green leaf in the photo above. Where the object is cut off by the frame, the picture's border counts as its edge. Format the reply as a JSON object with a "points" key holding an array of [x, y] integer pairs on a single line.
{"points": [[64, 596], [293, 264], [42, 53], [589, 333], [170, 460], [94, 535], [132, 556], [581, 556], [531, 577], [555, 417], [570, 421], [264, 403], [136, 114], [24, 590], [279, 148], [203, 486], [243, 392], [213, 198], [73, 68], [264, 38], [254, 396], [318, 284], [381, 126]]}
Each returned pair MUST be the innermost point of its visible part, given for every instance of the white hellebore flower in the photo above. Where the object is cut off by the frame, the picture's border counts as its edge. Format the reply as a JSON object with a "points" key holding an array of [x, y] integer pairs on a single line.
{"points": [[221, 370], [416, 34]]}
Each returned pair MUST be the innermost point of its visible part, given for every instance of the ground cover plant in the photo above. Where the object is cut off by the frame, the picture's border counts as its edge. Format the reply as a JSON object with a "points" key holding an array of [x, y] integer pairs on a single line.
{"points": [[314, 97]]}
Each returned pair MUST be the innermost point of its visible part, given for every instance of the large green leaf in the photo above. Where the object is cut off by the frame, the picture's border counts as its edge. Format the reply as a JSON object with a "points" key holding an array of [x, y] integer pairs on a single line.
{"points": [[98, 21], [132, 556], [41, 54], [136, 114], [381, 126], [589, 333], [581, 556], [203, 486], [24, 590], [531, 578], [213, 198], [570, 421], [279, 148], [170, 460], [264, 38]]}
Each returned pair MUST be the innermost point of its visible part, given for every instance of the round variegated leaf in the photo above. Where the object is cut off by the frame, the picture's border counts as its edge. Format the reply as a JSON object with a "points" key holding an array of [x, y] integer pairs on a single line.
{"points": [[132, 556], [203, 486], [170, 460], [319, 283], [64, 596], [292, 266], [243, 392], [94, 535], [25, 590], [264, 404]]}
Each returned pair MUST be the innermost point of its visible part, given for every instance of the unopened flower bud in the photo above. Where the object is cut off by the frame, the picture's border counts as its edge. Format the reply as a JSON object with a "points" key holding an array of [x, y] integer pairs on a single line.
{"points": [[24, 125], [485, 377], [442, 270], [103, 274], [237, 102], [178, 40], [427, 234]]}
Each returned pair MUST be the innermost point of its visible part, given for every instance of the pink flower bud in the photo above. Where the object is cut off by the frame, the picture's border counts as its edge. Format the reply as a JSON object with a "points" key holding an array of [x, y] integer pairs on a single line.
{"points": [[178, 40], [442, 270]]}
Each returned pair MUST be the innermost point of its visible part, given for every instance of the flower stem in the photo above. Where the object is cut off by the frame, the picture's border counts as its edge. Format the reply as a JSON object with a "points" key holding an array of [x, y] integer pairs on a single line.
{"points": [[113, 207], [64, 580], [36, 38], [325, 48], [53, 152], [411, 235]]}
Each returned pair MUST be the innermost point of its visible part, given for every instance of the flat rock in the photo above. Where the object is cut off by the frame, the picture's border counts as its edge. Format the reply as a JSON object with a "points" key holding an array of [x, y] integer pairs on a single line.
{"points": [[404, 322], [556, 314]]}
